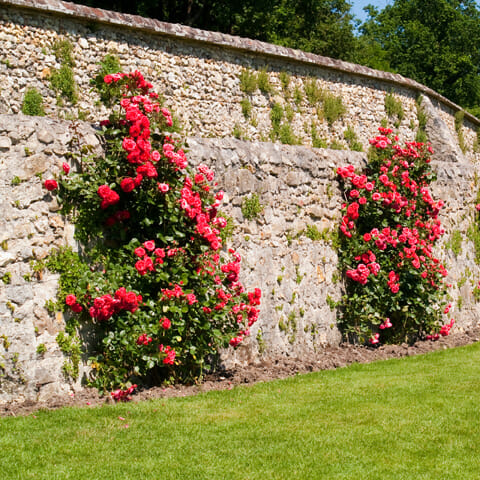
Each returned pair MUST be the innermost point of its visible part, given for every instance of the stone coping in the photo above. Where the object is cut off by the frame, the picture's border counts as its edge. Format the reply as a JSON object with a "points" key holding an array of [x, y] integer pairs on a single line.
{"points": [[152, 26]]}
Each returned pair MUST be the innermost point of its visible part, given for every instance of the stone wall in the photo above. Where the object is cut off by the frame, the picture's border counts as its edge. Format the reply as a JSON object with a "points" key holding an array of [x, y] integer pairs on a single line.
{"points": [[198, 73], [297, 187]]}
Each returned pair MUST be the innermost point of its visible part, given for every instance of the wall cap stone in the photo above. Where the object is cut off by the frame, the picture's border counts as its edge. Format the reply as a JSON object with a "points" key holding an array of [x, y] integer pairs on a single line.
{"points": [[152, 26]]}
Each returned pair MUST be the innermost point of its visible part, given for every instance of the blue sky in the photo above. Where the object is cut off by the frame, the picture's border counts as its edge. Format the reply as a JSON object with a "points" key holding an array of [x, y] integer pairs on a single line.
{"points": [[357, 6]]}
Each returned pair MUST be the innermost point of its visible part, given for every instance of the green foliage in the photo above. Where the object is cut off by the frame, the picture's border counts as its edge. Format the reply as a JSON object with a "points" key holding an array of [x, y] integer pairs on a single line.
{"points": [[63, 83], [286, 135], [324, 27], [284, 80], [276, 116], [333, 108], [297, 96], [108, 93], [251, 207], [62, 80], [263, 82], [473, 234], [459, 116], [394, 108], [262, 346], [352, 140], [150, 279], [70, 347], [454, 243], [289, 113], [392, 295], [430, 42], [317, 142], [238, 132], [32, 103], [63, 50], [422, 121], [246, 107], [313, 92], [75, 274], [5, 341], [331, 303], [336, 145], [41, 349], [7, 277], [16, 180], [313, 233], [282, 130], [248, 81]]}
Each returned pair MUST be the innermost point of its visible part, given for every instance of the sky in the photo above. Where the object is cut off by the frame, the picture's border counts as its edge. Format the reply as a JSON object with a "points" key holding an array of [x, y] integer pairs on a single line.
{"points": [[357, 6]]}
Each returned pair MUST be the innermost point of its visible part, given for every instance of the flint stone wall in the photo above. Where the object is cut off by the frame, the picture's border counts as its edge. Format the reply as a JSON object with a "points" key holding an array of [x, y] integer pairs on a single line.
{"points": [[297, 187], [197, 73]]}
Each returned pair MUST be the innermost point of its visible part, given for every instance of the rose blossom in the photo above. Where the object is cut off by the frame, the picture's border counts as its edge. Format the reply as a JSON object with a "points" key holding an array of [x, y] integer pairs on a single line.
{"points": [[70, 300], [50, 185], [127, 184]]}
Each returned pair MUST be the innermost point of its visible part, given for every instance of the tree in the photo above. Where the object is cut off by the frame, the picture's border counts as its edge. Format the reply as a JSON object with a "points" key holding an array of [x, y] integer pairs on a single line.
{"points": [[435, 42], [324, 27]]}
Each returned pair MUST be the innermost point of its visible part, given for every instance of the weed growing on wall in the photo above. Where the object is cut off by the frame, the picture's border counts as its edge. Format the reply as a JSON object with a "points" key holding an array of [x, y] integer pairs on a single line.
{"points": [[62, 80], [459, 116], [352, 140], [395, 286], [263, 82], [251, 207], [32, 103], [333, 108], [394, 108], [152, 279], [248, 81], [421, 135]]}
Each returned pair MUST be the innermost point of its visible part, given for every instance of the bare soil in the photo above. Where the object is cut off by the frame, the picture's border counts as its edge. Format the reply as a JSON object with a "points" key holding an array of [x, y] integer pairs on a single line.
{"points": [[326, 359]]}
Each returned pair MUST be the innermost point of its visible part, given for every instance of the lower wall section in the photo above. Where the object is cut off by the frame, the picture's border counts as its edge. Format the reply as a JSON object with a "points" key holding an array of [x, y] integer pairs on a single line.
{"points": [[298, 191]]}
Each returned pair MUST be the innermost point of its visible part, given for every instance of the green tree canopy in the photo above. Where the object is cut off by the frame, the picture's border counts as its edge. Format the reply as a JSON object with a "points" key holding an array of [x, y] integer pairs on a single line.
{"points": [[436, 42], [324, 27]]}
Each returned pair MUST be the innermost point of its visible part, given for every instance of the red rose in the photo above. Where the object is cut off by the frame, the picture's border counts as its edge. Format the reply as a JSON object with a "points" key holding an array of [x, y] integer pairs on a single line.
{"points": [[50, 185], [66, 168], [165, 323], [127, 184], [77, 308], [70, 300]]}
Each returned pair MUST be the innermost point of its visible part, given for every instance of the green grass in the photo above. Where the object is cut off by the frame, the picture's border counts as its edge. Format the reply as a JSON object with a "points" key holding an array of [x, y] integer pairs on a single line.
{"points": [[415, 418]]}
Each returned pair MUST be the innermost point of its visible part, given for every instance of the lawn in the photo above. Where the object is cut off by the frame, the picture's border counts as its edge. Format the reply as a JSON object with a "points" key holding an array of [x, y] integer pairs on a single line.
{"points": [[414, 418]]}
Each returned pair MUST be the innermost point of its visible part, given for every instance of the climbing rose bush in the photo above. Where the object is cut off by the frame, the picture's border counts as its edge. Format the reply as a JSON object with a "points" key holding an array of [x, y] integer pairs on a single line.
{"points": [[161, 290], [395, 286]]}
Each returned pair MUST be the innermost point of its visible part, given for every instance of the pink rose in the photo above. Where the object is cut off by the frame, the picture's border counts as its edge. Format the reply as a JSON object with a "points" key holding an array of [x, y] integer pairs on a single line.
{"points": [[129, 144], [164, 187], [149, 245]]}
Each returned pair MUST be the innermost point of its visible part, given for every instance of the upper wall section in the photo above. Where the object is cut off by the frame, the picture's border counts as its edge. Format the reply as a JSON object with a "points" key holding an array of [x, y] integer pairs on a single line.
{"points": [[198, 73]]}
